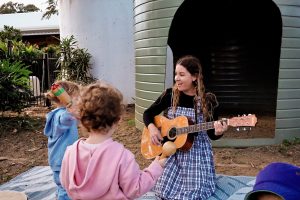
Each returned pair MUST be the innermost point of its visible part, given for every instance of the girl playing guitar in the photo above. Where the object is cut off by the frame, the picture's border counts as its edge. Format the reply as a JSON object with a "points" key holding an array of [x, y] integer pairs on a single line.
{"points": [[188, 174]]}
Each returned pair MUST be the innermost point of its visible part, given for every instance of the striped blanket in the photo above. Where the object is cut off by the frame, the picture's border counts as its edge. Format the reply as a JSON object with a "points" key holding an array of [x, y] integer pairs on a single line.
{"points": [[37, 183]]}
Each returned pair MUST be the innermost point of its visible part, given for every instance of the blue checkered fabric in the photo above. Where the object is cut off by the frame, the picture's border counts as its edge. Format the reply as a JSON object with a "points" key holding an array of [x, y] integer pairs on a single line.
{"points": [[188, 174], [37, 183]]}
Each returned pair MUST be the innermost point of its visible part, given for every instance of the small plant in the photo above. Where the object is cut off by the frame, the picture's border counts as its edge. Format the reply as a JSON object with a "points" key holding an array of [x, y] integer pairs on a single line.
{"points": [[73, 64], [287, 144], [14, 87], [131, 122], [52, 50]]}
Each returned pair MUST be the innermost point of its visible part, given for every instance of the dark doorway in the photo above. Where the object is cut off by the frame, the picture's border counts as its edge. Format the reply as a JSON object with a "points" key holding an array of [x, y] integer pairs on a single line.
{"points": [[238, 44], [42, 40]]}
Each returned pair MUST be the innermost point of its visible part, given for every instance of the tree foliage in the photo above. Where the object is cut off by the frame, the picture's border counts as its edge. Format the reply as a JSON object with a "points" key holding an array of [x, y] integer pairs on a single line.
{"points": [[12, 47], [10, 7], [14, 86], [51, 9], [10, 33], [74, 62]]}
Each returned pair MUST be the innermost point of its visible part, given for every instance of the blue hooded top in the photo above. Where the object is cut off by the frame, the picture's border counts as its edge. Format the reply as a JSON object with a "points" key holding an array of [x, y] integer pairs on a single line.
{"points": [[62, 131]]}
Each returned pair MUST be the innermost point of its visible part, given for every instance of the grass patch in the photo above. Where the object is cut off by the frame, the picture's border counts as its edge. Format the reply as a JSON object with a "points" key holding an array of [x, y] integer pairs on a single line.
{"points": [[131, 122], [15, 124], [287, 144], [295, 141]]}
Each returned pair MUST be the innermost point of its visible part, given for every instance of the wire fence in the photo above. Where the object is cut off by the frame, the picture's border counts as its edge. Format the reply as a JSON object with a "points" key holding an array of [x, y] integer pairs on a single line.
{"points": [[44, 73]]}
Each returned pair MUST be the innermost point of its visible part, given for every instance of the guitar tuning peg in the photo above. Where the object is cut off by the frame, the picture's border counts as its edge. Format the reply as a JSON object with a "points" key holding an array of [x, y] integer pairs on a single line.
{"points": [[244, 115], [249, 114], [238, 129], [250, 128], [244, 129]]}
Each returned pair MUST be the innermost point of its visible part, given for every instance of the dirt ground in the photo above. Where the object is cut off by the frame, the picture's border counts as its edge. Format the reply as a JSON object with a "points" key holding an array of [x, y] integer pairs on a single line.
{"points": [[23, 145]]}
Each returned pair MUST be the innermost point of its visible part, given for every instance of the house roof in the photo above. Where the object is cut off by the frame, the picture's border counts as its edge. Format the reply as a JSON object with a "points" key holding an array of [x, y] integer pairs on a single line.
{"points": [[31, 23]]}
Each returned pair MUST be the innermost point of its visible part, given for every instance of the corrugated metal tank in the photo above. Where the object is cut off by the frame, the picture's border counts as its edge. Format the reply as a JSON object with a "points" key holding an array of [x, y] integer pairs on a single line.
{"points": [[288, 99], [152, 25]]}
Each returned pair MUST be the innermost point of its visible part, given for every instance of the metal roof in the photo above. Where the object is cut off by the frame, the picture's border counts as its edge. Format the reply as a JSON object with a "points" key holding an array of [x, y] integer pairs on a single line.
{"points": [[31, 23]]}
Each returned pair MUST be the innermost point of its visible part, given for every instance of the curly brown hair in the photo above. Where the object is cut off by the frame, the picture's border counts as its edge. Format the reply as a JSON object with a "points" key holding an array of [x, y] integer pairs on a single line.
{"points": [[100, 107], [73, 89]]}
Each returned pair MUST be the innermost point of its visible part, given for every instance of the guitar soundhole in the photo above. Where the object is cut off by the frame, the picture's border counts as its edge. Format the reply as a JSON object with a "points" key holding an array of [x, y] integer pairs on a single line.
{"points": [[166, 139], [172, 134]]}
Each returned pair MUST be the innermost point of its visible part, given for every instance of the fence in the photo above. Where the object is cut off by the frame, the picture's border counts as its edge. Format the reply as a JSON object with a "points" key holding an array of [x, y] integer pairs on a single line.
{"points": [[43, 75]]}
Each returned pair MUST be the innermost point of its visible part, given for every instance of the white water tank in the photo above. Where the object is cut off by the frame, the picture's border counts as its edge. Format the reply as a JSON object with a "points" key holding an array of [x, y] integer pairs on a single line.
{"points": [[105, 29]]}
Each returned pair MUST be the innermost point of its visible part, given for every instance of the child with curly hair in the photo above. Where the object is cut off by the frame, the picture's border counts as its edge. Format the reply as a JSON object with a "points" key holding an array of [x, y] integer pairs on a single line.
{"points": [[61, 128], [97, 167]]}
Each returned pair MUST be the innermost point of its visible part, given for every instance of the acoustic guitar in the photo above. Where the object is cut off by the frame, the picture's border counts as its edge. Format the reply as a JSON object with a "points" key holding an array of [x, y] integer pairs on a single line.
{"points": [[178, 131]]}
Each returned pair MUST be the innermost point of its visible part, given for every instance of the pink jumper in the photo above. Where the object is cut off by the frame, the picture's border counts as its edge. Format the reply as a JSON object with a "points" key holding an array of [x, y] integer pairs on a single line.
{"points": [[107, 172]]}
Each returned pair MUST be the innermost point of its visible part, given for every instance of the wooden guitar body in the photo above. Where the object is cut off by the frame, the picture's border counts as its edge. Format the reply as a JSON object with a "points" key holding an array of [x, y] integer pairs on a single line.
{"points": [[165, 125], [178, 131]]}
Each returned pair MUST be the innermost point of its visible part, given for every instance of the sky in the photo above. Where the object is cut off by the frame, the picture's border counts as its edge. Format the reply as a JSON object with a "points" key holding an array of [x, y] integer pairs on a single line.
{"points": [[41, 4]]}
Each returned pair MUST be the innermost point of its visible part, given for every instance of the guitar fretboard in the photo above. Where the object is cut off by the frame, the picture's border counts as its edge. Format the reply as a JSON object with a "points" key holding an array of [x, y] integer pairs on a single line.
{"points": [[197, 127]]}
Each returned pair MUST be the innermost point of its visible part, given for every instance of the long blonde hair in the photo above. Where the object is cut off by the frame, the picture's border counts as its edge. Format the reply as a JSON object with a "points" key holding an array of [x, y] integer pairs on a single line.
{"points": [[193, 66]]}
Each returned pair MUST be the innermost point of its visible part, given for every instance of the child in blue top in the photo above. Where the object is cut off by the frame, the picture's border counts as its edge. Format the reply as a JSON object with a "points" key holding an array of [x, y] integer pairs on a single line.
{"points": [[62, 130]]}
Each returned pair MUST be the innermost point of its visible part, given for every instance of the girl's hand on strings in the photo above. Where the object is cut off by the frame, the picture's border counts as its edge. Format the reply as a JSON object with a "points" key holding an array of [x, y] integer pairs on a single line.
{"points": [[155, 135]]}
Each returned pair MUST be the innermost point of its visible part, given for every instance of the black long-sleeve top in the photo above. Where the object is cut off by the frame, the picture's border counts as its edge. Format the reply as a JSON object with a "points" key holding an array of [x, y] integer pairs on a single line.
{"points": [[164, 102]]}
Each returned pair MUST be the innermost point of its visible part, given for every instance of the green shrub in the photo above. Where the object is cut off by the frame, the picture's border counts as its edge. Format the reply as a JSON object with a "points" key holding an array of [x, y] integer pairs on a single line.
{"points": [[74, 62], [51, 49], [20, 51], [3, 50], [14, 87], [10, 33]]}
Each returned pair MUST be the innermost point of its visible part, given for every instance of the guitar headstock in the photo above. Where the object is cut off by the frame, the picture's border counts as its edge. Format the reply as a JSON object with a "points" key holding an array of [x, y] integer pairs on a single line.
{"points": [[243, 121]]}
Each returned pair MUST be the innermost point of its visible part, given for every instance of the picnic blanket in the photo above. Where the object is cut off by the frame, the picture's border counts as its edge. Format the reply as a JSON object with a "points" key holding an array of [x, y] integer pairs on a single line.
{"points": [[38, 184]]}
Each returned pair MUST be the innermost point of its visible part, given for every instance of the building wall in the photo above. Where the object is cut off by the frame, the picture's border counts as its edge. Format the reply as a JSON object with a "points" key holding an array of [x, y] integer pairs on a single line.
{"points": [[105, 29]]}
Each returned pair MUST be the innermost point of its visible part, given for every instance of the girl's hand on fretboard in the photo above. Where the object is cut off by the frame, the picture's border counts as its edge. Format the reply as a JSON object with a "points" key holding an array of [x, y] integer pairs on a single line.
{"points": [[220, 127]]}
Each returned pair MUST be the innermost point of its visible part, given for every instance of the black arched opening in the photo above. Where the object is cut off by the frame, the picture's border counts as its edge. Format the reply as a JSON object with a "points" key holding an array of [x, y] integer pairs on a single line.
{"points": [[238, 44]]}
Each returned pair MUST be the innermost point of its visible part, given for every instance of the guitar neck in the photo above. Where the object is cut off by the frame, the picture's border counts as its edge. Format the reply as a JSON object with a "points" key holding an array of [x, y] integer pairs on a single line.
{"points": [[196, 128]]}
